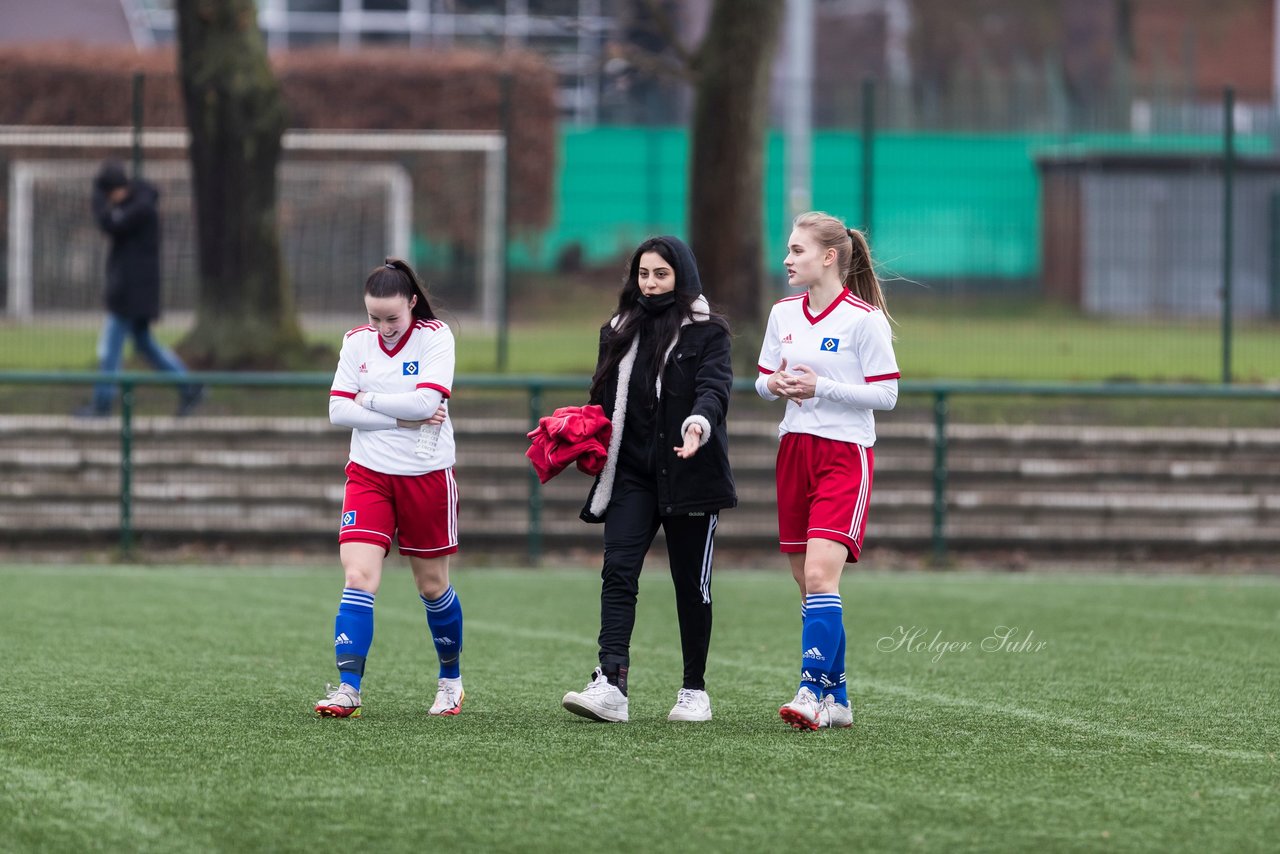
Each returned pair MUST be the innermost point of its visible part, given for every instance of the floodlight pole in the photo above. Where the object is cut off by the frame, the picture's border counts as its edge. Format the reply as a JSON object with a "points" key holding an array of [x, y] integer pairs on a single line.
{"points": [[868, 152], [798, 110]]}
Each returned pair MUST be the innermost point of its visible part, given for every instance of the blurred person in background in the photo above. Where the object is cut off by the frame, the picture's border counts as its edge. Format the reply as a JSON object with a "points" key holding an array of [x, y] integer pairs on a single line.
{"points": [[828, 352], [394, 374], [664, 377], [127, 211]]}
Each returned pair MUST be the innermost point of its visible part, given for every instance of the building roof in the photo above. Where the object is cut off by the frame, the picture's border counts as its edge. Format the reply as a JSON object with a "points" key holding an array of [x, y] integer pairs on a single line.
{"points": [[85, 21]]}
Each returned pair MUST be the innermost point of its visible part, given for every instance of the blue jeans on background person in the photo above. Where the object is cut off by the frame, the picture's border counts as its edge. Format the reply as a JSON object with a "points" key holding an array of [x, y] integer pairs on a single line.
{"points": [[111, 358]]}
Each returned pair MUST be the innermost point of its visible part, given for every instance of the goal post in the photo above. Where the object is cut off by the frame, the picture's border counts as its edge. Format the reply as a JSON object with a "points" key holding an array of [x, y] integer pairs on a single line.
{"points": [[360, 193]]}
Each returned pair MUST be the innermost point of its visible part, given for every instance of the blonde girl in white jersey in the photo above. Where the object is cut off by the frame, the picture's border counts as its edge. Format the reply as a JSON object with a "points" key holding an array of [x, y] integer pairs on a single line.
{"points": [[828, 352]]}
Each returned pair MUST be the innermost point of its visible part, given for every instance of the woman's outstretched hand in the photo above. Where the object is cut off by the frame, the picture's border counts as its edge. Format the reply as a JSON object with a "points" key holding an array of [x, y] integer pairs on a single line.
{"points": [[692, 441]]}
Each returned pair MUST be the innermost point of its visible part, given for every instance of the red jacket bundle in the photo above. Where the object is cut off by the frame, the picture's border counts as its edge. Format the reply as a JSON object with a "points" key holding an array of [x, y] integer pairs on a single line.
{"points": [[570, 434]]}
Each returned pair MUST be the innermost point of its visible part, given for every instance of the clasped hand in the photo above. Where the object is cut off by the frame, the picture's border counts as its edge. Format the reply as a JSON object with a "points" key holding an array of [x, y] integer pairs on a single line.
{"points": [[795, 386]]}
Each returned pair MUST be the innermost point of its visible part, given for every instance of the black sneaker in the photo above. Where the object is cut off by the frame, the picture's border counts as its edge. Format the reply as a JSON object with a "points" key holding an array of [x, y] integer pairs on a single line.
{"points": [[192, 397]]}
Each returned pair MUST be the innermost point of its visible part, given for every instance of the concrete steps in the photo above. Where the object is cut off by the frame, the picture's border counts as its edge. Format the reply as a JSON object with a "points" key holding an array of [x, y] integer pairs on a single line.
{"points": [[277, 482]]}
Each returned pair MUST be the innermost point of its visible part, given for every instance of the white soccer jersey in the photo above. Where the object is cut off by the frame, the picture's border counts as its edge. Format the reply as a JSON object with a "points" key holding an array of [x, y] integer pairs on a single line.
{"points": [[422, 359], [849, 344]]}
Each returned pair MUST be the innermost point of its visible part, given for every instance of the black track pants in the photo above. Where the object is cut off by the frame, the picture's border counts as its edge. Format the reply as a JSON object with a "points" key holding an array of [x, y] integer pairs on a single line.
{"points": [[630, 526]]}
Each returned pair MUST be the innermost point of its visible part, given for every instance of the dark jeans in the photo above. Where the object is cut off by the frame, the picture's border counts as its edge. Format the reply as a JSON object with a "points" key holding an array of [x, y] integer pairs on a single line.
{"points": [[111, 356], [629, 528]]}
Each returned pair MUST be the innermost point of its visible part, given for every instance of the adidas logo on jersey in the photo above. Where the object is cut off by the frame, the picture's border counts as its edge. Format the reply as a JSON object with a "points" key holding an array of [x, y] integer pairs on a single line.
{"points": [[814, 653], [341, 639], [364, 367], [787, 340]]}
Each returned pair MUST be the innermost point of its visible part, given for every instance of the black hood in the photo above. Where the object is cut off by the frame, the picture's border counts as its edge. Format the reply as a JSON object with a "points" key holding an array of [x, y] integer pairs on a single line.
{"points": [[686, 267], [110, 176]]}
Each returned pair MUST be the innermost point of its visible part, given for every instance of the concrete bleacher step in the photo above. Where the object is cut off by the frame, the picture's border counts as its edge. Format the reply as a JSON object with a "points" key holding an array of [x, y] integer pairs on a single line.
{"points": [[1026, 488]]}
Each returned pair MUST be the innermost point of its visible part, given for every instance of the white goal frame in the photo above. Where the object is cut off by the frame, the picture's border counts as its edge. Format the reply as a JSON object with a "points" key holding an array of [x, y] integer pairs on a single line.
{"points": [[490, 144]]}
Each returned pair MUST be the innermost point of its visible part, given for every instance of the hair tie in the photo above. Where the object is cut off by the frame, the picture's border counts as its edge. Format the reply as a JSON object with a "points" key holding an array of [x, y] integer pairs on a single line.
{"points": [[389, 266]]}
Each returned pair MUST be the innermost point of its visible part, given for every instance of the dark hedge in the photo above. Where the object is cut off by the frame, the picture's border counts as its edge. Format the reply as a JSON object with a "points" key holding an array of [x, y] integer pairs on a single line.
{"points": [[391, 88]]}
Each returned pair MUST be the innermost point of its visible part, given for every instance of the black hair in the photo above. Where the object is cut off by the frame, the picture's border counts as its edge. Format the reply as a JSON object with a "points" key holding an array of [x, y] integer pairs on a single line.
{"points": [[395, 278], [631, 316]]}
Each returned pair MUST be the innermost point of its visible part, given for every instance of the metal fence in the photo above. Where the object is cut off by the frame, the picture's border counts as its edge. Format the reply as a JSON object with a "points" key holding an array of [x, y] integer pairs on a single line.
{"points": [[237, 478]]}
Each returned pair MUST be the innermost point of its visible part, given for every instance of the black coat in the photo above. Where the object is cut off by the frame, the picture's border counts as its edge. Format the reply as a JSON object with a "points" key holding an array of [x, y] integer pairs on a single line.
{"points": [[697, 380], [133, 264]]}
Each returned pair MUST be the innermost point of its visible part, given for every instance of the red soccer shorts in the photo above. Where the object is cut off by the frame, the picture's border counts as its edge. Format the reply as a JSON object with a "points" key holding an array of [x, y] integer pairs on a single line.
{"points": [[824, 488], [421, 509]]}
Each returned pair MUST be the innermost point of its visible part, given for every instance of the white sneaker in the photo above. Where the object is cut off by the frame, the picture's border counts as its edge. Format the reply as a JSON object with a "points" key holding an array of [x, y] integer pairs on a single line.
{"points": [[833, 714], [599, 701], [449, 697], [340, 702], [802, 712], [691, 705]]}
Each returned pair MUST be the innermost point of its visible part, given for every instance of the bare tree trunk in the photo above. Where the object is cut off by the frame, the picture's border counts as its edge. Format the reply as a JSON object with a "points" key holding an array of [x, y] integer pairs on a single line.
{"points": [[235, 111], [726, 211]]}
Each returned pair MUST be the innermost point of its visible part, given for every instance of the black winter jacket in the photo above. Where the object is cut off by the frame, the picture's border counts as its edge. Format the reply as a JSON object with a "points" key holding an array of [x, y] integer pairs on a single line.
{"points": [[697, 381], [133, 265]]}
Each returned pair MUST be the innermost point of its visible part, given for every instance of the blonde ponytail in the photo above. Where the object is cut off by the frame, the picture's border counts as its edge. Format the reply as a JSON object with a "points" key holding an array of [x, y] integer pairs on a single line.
{"points": [[853, 255], [861, 277]]}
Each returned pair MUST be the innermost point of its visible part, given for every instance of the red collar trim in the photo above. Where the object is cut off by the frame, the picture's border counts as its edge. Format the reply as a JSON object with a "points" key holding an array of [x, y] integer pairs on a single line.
{"points": [[813, 321], [404, 339]]}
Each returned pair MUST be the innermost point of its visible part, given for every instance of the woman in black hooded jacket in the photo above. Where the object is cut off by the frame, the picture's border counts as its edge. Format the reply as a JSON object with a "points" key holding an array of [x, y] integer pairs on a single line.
{"points": [[664, 377]]}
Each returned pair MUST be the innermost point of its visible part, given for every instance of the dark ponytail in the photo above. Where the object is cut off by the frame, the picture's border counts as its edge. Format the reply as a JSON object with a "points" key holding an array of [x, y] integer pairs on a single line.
{"points": [[396, 278]]}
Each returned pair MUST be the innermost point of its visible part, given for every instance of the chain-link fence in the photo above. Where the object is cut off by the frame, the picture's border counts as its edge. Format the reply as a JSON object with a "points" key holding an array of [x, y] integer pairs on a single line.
{"points": [[1102, 247]]}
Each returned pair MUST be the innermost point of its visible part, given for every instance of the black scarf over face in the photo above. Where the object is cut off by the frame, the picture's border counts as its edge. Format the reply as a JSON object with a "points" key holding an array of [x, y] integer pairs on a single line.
{"points": [[658, 303], [653, 313]]}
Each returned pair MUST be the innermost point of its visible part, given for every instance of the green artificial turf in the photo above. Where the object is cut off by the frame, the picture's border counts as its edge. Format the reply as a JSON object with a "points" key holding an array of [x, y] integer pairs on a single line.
{"points": [[169, 709]]}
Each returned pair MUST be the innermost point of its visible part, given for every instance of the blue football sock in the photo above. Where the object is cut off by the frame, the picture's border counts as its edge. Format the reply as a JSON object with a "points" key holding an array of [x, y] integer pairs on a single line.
{"points": [[353, 634], [823, 626], [836, 674], [444, 618]]}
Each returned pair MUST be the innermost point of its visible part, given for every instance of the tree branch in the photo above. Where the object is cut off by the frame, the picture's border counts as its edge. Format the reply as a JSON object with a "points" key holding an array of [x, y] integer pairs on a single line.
{"points": [[649, 62], [667, 29]]}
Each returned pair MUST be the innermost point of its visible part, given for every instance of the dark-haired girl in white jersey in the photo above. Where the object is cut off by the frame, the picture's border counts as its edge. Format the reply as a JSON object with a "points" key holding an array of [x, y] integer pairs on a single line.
{"points": [[393, 376]]}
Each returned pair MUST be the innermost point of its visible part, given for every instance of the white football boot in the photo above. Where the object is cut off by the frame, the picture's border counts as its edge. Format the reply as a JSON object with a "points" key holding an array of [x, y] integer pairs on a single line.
{"points": [[833, 714], [449, 697], [340, 702], [802, 712]]}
